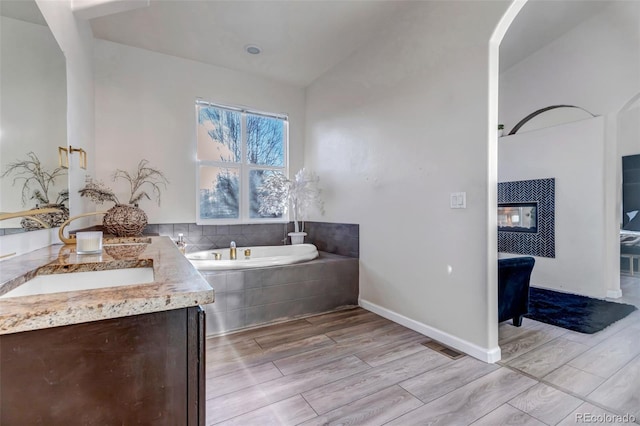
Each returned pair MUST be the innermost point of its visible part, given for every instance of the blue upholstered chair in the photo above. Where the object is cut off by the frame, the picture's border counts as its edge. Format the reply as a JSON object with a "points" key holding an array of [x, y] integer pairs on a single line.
{"points": [[513, 288]]}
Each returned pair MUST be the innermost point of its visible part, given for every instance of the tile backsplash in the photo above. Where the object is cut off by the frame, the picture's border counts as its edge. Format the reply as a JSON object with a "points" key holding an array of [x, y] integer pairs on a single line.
{"points": [[336, 238]]}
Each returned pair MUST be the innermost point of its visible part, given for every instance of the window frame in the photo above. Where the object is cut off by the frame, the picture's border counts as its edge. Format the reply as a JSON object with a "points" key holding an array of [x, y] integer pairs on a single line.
{"points": [[243, 166]]}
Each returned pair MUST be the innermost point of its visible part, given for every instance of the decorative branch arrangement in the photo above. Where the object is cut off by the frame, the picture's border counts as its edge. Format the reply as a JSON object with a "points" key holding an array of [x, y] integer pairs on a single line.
{"points": [[98, 192], [278, 194], [145, 175], [273, 195], [30, 171], [125, 220]]}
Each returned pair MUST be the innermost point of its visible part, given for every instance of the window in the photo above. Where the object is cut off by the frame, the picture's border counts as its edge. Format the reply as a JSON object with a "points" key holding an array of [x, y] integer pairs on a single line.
{"points": [[236, 150]]}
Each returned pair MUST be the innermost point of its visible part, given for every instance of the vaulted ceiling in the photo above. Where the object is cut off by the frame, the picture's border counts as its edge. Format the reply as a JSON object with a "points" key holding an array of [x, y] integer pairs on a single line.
{"points": [[300, 39]]}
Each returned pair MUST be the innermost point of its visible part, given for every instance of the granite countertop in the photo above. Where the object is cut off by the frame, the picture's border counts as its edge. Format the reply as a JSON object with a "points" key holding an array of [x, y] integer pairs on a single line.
{"points": [[177, 284]]}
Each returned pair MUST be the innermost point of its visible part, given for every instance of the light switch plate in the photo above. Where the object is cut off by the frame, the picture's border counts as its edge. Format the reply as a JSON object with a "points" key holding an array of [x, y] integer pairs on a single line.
{"points": [[458, 200]]}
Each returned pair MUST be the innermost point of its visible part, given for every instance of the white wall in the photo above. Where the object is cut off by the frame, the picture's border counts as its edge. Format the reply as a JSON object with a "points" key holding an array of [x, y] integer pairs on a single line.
{"points": [[145, 108], [392, 131], [572, 154], [595, 66]]}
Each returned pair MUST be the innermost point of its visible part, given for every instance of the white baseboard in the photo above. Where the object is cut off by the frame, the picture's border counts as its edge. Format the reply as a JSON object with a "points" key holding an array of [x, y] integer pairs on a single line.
{"points": [[614, 294], [490, 355]]}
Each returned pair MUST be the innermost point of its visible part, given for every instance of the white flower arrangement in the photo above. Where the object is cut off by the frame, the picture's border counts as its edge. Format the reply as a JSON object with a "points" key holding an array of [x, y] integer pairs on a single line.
{"points": [[278, 194]]}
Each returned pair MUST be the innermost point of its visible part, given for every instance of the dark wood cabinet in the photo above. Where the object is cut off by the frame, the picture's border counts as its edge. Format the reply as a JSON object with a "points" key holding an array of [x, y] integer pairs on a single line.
{"points": [[142, 369]]}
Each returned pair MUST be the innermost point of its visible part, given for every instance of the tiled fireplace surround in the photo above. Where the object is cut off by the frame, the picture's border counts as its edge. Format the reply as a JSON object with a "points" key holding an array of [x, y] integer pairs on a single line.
{"points": [[246, 298]]}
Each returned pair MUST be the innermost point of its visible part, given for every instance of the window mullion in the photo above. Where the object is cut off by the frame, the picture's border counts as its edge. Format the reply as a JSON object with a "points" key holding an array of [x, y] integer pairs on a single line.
{"points": [[244, 192]]}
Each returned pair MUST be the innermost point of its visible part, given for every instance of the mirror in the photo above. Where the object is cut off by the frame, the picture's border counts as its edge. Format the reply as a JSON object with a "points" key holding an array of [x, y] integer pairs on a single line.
{"points": [[33, 113]]}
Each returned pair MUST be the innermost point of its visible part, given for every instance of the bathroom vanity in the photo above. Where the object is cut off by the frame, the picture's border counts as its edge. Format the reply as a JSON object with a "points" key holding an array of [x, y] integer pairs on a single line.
{"points": [[125, 352]]}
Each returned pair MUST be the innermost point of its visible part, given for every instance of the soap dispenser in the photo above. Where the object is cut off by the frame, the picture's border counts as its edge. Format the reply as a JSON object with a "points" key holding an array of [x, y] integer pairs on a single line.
{"points": [[182, 245]]}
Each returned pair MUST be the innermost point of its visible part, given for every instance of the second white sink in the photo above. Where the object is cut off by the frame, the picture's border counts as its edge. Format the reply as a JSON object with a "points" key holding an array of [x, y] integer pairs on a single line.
{"points": [[76, 281]]}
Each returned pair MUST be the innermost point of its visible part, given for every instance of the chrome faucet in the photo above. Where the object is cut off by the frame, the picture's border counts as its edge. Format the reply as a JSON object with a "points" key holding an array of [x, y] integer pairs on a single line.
{"points": [[232, 250]]}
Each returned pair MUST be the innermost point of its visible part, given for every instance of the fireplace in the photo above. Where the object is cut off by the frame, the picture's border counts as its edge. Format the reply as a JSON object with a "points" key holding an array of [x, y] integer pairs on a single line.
{"points": [[518, 217], [526, 217]]}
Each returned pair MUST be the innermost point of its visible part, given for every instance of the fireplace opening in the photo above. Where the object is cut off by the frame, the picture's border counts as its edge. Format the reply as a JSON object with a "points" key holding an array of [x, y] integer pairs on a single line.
{"points": [[518, 217]]}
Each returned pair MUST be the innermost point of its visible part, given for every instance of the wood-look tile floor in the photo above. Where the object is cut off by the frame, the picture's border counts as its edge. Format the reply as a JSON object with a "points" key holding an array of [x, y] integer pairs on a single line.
{"points": [[354, 367]]}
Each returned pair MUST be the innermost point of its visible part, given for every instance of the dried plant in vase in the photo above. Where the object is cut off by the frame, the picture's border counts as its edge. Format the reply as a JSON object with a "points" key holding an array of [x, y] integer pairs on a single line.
{"points": [[127, 220], [31, 172]]}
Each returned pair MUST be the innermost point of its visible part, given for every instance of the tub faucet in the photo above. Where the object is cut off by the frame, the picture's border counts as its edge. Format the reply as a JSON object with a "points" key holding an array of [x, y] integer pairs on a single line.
{"points": [[232, 250]]}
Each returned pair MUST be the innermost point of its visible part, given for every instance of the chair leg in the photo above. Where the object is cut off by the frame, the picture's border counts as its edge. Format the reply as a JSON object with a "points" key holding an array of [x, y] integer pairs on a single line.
{"points": [[517, 320]]}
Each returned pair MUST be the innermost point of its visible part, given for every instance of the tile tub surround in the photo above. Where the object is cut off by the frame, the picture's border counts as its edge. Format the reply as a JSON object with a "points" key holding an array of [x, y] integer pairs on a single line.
{"points": [[177, 285], [336, 238], [250, 297]]}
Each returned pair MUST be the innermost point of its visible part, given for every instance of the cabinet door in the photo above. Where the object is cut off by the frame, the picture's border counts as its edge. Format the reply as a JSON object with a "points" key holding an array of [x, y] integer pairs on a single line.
{"points": [[130, 370], [196, 366]]}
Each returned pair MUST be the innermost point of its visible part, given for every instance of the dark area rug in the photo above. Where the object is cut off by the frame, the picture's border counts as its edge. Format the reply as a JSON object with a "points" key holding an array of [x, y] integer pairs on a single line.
{"points": [[573, 312]]}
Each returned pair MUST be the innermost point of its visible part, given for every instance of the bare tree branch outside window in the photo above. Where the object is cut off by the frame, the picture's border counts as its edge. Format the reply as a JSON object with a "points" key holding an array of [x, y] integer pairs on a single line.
{"points": [[221, 134]]}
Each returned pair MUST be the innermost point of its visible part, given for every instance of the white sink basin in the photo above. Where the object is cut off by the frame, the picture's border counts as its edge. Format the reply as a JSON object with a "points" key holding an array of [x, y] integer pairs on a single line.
{"points": [[75, 281]]}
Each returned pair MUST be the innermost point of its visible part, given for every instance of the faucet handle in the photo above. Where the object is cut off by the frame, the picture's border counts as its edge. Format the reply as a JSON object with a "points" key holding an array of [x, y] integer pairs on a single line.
{"points": [[232, 244]]}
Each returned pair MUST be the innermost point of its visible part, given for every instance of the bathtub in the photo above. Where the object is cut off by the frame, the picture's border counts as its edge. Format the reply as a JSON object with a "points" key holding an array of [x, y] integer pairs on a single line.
{"points": [[260, 257]]}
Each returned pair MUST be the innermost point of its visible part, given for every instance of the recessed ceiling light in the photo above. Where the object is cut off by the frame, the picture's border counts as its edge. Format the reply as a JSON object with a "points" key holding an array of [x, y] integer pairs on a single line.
{"points": [[252, 49]]}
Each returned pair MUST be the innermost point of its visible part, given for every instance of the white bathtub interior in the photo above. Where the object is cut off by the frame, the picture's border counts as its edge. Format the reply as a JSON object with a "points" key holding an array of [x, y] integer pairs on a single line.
{"points": [[258, 257]]}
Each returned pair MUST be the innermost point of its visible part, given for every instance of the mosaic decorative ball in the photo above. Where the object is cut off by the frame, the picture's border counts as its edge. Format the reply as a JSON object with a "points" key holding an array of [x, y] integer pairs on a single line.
{"points": [[123, 220], [50, 219]]}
